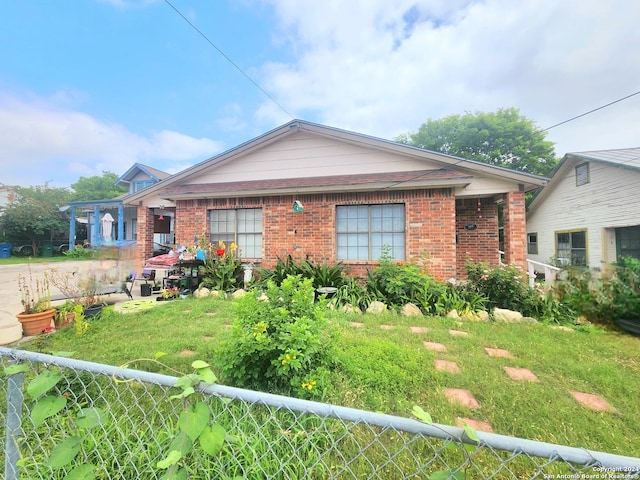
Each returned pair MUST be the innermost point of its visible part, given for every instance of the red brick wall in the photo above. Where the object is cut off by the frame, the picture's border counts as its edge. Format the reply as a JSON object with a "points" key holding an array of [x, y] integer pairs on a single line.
{"points": [[145, 233], [482, 244], [433, 218], [515, 236]]}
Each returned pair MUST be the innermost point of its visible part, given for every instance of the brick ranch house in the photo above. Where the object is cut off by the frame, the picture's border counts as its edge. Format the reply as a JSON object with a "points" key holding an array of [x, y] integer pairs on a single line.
{"points": [[332, 195]]}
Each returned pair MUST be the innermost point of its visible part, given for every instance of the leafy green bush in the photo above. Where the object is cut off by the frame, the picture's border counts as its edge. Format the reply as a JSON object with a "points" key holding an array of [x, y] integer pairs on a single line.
{"points": [[280, 342], [322, 275], [397, 284], [603, 298], [504, 287], [79, 252], [352, 292]]}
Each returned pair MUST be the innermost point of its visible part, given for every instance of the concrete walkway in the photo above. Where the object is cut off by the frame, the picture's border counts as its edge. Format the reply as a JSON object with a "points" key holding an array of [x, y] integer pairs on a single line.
{"points": [[10, 298]]}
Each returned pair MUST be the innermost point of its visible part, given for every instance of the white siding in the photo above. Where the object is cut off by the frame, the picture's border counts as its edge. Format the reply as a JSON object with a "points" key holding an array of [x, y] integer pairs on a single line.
{"points": [[608, 201]]}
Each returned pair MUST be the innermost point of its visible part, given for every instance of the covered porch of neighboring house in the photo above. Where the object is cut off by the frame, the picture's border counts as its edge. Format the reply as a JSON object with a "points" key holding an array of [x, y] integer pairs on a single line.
{"points": [[105, 221]]}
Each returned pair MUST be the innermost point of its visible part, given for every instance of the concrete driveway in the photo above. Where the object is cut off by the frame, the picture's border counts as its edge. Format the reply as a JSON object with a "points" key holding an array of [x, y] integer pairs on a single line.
{"points": [[10, 298]]}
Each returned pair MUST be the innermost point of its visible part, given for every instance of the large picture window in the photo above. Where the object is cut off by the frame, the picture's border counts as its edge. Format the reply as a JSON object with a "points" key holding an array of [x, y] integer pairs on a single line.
{"points": [[571, 248], [242, 226], [363, 231]]}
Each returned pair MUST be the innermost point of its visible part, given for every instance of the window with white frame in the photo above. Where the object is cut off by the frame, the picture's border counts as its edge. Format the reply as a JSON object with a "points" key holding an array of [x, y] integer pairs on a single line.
{"points": [[242, 226], [571, 247], [363, 230]]}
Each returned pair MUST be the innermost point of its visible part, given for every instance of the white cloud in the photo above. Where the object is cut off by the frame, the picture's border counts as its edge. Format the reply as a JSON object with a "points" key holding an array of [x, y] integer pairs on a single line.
{"points": [[384, 67], [50, 142]]}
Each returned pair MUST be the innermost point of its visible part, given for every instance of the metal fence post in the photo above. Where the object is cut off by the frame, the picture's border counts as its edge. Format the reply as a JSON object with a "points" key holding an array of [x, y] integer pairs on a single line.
{"points": [[14, 425]]}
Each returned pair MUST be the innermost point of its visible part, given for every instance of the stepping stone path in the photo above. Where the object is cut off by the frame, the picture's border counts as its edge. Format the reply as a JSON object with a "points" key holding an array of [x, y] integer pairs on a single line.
{"points": [[498, 352], [520, 374], [475, 424], [436, 347], [419, 329], [594, 402], [447, 366], [458, 333], [461, 397], [466, 399]]}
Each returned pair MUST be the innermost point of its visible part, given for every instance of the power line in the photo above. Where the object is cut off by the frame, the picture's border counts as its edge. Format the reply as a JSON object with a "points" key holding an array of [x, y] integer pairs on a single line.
{"points": [[229, 59], [589, 112]]}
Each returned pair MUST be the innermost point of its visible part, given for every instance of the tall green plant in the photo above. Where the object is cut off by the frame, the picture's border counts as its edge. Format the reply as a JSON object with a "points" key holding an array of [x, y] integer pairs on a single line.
{"points": [[280, 341], [397, 283], [223, 270]]}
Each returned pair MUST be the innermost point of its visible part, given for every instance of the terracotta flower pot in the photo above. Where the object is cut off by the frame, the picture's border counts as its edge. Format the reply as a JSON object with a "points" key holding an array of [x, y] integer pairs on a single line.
{"points": [[35, 323]]}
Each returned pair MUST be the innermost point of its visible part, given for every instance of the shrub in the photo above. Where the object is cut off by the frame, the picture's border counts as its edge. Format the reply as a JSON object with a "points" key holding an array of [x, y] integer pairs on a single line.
{"points": [[280, 343], [352, 292], [615, 294], [322, 275], [397, 284], [504, 287]]}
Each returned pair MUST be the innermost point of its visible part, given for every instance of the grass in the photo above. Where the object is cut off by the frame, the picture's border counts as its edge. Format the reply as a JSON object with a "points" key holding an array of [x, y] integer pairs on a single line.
{"points": [[17, 260], [390, 370]]}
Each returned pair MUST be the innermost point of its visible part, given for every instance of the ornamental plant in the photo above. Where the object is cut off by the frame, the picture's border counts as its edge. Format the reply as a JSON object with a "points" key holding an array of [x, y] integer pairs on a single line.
{"points": [[504, 286], [281, 341], [223, 270]]}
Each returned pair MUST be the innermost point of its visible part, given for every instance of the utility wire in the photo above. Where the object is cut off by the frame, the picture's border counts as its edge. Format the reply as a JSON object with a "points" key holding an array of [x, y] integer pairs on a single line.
{"points": [[589, 112], [229, 59]]}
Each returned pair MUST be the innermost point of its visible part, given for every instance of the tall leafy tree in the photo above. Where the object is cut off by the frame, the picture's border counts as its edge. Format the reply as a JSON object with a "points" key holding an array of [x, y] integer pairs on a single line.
{"points": [[34, 215], [97, 188], [504, 138]]}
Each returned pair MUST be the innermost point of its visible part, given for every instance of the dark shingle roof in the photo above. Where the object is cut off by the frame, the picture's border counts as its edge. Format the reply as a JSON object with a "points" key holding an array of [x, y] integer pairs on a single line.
{"points": [[389, 179]]}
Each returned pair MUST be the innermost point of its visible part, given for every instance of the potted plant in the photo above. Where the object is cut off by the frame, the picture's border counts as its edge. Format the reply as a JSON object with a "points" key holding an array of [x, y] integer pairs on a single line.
{"points": [[37, 313], [156, 287], [82, 289], [65, 314]]}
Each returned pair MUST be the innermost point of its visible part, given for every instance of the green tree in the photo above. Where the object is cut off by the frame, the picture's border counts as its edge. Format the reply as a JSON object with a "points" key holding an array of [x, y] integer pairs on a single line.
{"points": [[97, 188], [34, 215], [503, 138]]}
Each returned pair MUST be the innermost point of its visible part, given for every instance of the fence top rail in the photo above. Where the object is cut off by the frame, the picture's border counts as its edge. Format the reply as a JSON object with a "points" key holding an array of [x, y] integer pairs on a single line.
{"points": [[574, 455]]}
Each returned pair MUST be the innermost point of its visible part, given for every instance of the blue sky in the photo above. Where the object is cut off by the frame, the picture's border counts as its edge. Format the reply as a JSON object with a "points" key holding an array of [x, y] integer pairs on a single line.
{"points": [[93, 85]]}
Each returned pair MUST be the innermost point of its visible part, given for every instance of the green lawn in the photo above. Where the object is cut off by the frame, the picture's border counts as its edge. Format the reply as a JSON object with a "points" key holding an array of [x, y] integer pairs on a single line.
{"points": [[390, 371]]}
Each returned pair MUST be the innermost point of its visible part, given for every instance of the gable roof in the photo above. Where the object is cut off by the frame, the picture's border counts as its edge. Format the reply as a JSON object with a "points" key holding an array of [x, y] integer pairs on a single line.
{"points": [[136, 168], [453, 170], [623, 158]]}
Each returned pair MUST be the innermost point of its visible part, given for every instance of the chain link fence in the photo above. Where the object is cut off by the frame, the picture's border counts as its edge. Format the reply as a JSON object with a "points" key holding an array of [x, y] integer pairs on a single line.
{"points": [[265, 436]]}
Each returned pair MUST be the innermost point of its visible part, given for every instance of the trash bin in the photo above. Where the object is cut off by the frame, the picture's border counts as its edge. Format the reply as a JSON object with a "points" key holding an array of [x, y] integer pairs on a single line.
{"points": [[5, 250], [47, 250], [145, 290]]}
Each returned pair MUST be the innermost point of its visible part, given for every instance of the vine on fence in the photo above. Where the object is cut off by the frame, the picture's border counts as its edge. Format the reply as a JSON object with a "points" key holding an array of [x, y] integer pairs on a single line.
{"points": [[194, 428]]}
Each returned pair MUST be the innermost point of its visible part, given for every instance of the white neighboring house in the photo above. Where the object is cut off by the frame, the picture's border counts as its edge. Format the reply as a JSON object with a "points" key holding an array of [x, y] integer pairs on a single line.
{"points": [[589, 212]]}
